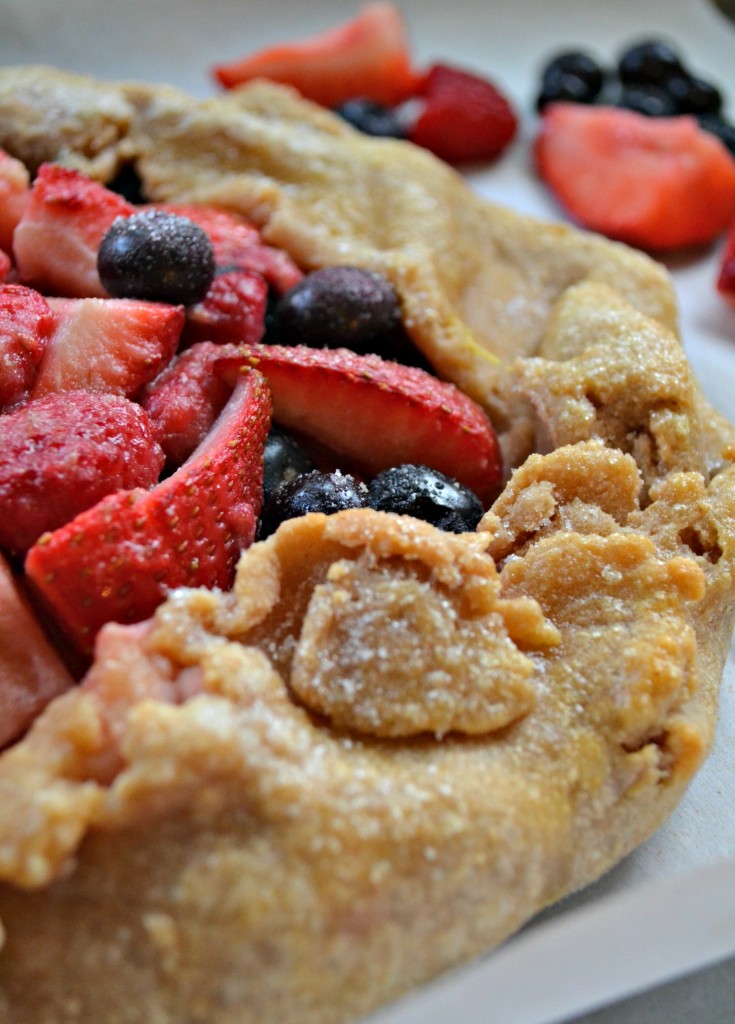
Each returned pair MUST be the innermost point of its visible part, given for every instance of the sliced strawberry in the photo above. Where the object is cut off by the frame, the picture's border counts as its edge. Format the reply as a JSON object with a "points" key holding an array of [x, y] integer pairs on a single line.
{"points": [[14, 190], [57, 238], [31, 672], [118, 560], [26, 324], [238, 243], [463, 117], [233, 310], [378, 413], [658, 183], [184, 401], [114, 345], [5, 266], [726, 274], [63, 453], [367, 56]]}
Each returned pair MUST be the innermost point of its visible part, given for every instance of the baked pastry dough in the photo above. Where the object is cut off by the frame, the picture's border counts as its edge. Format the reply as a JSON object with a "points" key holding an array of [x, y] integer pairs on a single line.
{"points": [[387, 747]]}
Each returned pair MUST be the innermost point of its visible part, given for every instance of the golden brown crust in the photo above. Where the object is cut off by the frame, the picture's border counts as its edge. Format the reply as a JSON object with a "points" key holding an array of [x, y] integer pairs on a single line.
{"points": [[250, 810]]}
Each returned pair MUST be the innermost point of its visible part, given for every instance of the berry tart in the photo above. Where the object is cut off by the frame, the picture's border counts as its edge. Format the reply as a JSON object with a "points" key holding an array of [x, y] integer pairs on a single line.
{"points": [[465, 660]]}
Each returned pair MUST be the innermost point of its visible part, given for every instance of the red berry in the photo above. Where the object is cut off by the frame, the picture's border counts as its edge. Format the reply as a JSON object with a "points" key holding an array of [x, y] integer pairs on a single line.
{"points": [[377, 413], [233, 310], [118, 560], [26, 324], [464, 117], [14, 189], [184, 401], [658, 183], [61, 454], [726, 276], [367, 56]]}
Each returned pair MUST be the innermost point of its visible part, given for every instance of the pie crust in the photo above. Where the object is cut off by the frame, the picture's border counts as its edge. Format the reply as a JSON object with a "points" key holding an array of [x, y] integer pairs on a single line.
{"points": [[387, 747]]}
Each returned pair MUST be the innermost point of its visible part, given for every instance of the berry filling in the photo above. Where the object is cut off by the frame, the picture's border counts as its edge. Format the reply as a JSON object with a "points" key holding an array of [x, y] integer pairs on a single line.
{"points": [[149, 435]]}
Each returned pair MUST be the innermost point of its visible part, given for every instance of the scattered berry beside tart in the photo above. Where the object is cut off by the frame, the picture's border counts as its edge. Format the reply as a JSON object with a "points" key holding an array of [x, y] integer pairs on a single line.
{"points": [[658, 184]]}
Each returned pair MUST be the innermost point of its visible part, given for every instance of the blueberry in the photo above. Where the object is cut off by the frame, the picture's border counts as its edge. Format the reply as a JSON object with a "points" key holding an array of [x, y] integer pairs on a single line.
{"points": [[340, 307], [577, 63], [372, 118], [283, 459], [647, 99], [563, 87], [311, 492], [426, 494], [652, 61], [719, 126], [694, 95], [156, 256]]}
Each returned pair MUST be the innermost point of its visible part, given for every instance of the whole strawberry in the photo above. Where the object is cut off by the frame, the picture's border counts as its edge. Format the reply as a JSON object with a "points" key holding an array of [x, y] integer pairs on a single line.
{"points": [[61, 454]]}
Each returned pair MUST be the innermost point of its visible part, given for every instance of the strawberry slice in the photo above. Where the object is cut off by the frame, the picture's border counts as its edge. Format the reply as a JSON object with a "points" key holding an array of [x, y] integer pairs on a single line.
{"points": [[238, 244], [118, 560], [367, 56], [463, 117], [233, 310], [378, 413], [31, 672], [658, 183], [62, 454], [14, 189], [26, 324], [726, 273], [57, 238], [114, 345], [184, 401]]}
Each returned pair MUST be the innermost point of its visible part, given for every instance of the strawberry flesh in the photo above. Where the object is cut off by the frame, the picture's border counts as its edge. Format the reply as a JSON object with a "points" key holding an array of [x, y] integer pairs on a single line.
{"points": [[377, 413], [14, 190], [61, 454], [726, 273], [367, 56], [26, 324], [656, 183], [184, 401], [118, 560], [57, 238], [114, 345], [463, 117]]}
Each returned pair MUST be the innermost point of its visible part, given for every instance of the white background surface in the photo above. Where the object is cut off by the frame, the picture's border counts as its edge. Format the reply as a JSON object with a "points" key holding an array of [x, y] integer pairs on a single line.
{"points": [[179, 40]]}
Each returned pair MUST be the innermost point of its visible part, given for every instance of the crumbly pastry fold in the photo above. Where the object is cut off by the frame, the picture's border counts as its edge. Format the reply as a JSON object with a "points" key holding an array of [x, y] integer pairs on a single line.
{"points": [[387, 747]]}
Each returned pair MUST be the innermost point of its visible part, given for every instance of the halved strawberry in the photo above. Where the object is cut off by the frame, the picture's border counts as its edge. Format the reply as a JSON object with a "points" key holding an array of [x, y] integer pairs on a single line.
{"points": [[31, 672], [238, 244], [56, 240], [463, 117], [367, 56], [26, 324], [184, 401], [63, 453], [378, 413], [114, 345], [14, 191], [117, 561], [726, 274], [658, 183]]}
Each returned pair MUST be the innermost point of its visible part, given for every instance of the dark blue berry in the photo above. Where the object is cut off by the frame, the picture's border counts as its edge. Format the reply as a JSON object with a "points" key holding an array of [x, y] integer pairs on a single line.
{"points": [[563, 88], [719, 126], [340, 307], [579, 64], [283, 460], [426, 494], [156, 256], [311, 492], [652, 61], [648, 100], [694, 95], [372, 118]]}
